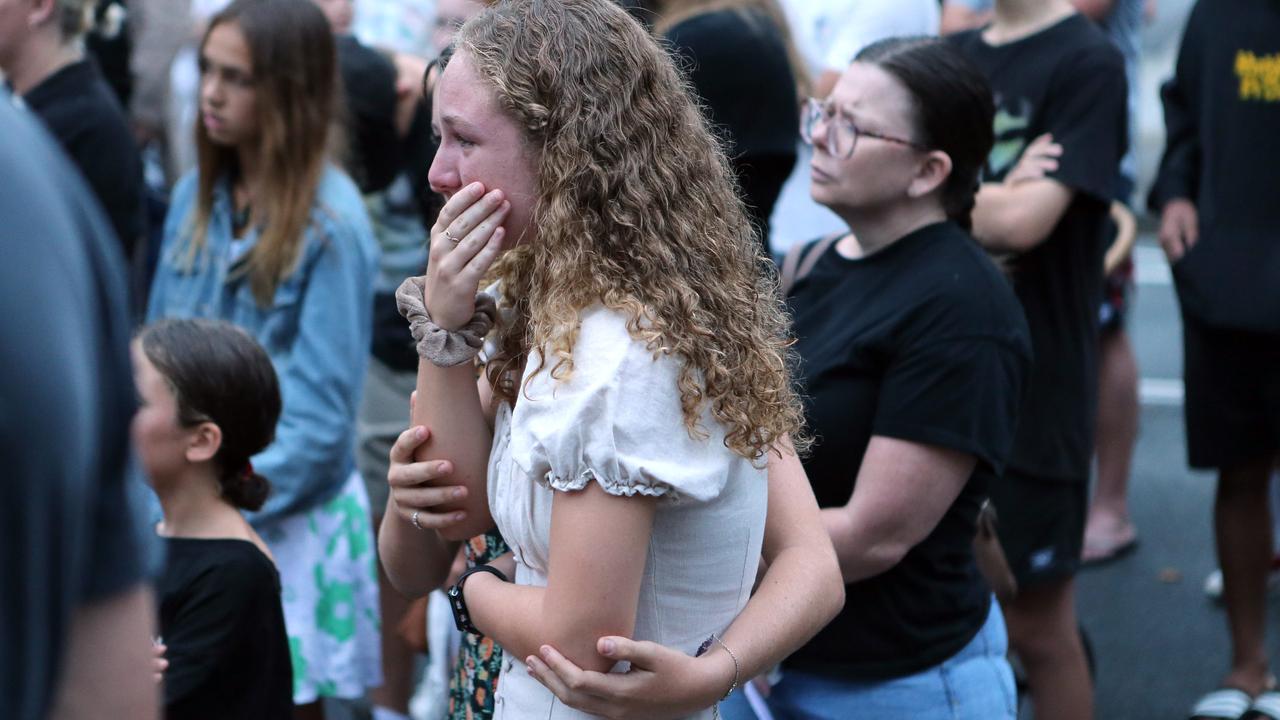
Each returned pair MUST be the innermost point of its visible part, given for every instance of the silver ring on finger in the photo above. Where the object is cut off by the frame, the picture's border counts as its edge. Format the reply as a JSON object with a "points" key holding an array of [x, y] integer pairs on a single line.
{"points": [[449, 236], [414, 520]]}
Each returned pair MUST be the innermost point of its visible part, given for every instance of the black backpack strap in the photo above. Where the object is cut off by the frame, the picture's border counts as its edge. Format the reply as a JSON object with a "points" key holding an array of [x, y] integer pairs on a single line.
{"points": [[800, 260]]}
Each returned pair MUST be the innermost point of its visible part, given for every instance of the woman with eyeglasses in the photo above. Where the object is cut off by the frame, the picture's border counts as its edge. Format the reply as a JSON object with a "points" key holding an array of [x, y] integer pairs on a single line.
{"points": [[913, 350]]}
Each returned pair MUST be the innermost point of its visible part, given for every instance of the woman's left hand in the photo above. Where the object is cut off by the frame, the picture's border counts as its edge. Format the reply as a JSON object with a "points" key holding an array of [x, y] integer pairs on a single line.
{"points": [[465, 240], [1038, 160], [662, 683]]}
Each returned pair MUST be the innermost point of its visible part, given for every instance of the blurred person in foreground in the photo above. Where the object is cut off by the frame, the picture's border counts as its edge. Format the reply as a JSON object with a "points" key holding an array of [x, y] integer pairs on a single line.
{"points": [[76, 609]]}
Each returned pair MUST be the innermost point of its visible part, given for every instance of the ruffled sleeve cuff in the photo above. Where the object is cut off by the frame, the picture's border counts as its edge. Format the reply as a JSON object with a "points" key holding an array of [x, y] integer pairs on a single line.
{"points": [[617, 420], [621, 488]]}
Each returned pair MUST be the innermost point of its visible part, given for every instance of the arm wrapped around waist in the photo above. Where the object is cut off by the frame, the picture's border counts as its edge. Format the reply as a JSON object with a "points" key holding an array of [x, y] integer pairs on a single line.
{"points": [[444, 348]]}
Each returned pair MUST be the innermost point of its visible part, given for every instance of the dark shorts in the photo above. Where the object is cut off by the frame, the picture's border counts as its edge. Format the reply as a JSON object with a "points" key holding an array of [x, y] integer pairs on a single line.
{"points": [[1116, 290], [1232, 394], [1041, 526]]}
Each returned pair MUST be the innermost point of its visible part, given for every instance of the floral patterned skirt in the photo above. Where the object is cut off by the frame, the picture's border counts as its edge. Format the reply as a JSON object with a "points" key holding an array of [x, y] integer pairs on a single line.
{"points": [[328, 573], [475, 677]]}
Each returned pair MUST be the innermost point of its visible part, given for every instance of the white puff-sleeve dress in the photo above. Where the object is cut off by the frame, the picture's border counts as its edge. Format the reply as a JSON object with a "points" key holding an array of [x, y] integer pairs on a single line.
{"points": [[617, 421]]}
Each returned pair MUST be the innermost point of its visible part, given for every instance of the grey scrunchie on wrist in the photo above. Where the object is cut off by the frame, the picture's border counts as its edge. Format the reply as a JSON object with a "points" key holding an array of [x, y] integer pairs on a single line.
{"points": [[444, 348]]}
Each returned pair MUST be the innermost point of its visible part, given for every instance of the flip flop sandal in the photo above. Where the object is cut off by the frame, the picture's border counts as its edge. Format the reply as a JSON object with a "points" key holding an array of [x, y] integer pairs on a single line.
{"points": [[1265, 707], [1115, 552], [1222, 704]]}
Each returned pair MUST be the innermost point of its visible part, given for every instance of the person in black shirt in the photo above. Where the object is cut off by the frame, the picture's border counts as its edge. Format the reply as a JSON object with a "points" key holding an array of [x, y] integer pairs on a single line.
{"points": [[43, 62], [1053, 74], [1220, 228], [210, 401], [110, 43], [745, 71], [913, 352]]}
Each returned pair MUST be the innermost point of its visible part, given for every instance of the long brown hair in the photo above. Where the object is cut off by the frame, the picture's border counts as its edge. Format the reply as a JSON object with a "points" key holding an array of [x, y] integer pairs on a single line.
{"points": [[295, 73], [674, 12], [637, 210]]}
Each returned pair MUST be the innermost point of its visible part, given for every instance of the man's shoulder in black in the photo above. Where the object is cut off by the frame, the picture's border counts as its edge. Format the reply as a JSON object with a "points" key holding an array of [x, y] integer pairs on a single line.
{"points": [[82, 112]]}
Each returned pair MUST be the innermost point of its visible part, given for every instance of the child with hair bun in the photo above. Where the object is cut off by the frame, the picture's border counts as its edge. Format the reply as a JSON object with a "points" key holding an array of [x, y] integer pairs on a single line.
{"points": [[210, 401]]}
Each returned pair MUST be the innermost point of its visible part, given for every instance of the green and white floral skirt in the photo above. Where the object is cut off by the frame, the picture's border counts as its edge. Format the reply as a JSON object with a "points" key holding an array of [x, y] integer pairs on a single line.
{"points": [[329, 578]]}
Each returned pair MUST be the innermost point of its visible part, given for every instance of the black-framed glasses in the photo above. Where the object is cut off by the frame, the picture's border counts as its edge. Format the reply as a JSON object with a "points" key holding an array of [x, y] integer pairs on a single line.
{"points": [[841, 134]]}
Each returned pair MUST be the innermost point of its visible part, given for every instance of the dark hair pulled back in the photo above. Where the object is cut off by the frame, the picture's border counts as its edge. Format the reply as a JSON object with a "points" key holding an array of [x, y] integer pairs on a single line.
{"points": [[955, 112], [219, 374]]}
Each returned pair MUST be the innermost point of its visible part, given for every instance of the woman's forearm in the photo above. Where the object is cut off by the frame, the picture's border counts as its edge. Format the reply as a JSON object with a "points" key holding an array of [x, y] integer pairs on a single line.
{"points": [[801, 589], [510, 614], [599, 547], [859, 558], [902, 492], [417, 560], [794, 600], [449, 404]]}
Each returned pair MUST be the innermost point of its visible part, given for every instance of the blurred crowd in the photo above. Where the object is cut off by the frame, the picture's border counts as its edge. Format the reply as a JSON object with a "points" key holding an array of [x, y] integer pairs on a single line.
{"points": [[831, 297]]}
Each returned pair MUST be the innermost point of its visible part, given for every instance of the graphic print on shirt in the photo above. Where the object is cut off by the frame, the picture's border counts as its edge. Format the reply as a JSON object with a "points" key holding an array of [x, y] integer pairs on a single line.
{"points": [[1259, 76], [1011, 123]]}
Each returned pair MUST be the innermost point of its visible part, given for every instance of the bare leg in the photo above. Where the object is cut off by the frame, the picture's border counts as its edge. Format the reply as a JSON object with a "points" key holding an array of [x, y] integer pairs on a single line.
{"points": [[1044, 633], [311, 711], [1242, 525], [1109, 525], [397, 656]]}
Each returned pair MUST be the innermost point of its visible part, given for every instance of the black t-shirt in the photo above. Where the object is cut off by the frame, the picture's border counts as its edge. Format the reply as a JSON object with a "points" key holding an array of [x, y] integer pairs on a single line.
{"points": [[738, 66], [83, 113], [921, 341], [369, 81], [70, 514], [1222, 112], [110, 43], [221, 618], [1067, 80]]}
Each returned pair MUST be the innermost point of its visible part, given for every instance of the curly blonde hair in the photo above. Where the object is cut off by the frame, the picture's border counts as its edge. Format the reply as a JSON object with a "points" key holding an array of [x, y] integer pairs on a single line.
{"points": [[637, 209]]}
